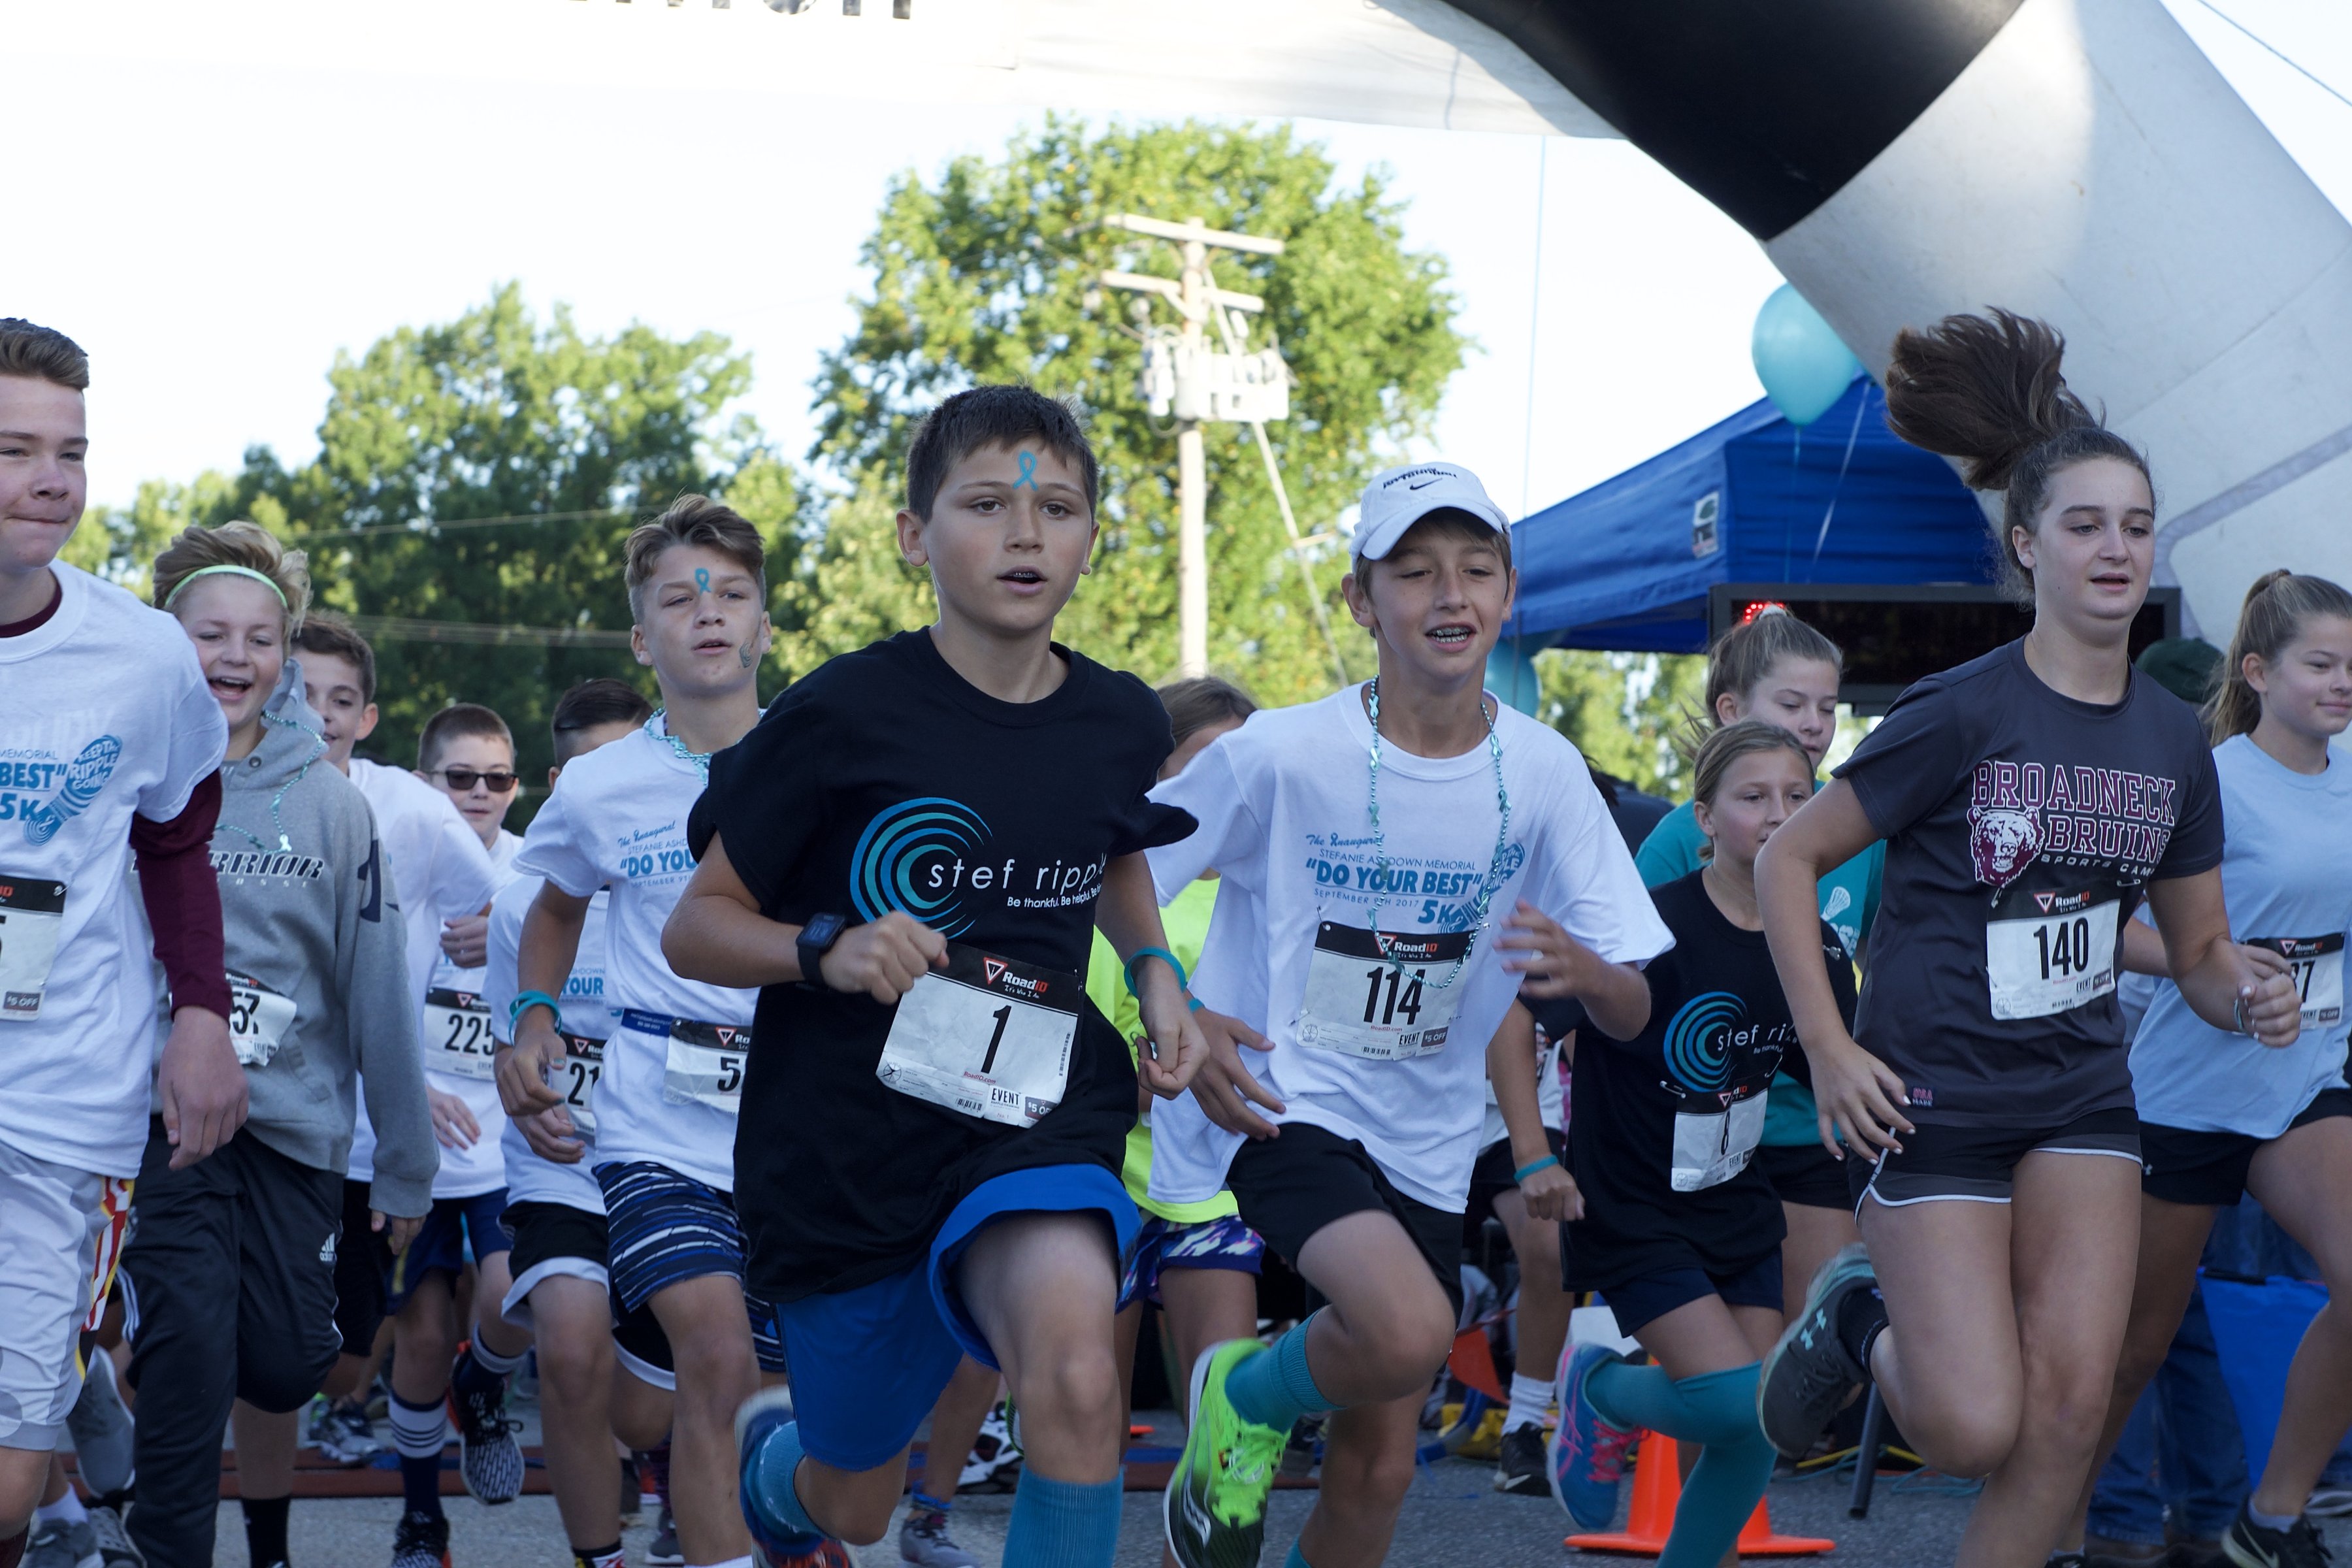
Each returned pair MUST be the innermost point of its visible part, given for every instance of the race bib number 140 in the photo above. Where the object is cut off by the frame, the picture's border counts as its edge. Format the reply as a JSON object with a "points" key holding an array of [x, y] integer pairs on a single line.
{"points": [[2049, 953], [988, 1037]]}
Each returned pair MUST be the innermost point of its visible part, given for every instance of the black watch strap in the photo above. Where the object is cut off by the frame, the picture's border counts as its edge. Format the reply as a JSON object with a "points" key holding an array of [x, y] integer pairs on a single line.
{"points": [[816, 939]]}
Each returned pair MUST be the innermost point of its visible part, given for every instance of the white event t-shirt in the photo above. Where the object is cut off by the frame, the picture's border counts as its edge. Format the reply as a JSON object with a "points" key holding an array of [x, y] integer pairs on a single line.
{"points": [[1550, 1100], [617, 819], [531, 1177], [103, 713], [2286, 875], [1284, 808], [465, 1173], [437, 870]]}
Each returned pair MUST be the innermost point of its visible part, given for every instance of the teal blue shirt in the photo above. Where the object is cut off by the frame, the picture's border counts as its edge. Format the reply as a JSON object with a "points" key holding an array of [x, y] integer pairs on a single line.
{"points": [[1676, 848]]}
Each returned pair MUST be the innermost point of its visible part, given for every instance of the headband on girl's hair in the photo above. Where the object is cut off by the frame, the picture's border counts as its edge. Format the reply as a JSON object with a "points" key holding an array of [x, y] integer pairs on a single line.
{"points": [[264, 578]]}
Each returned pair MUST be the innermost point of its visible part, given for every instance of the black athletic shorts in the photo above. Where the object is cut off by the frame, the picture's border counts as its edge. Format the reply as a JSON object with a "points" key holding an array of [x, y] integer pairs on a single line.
{"points": [[1496, 1173], [1806, 1175], [363, 1274], [1978, 1165], [1646, 1298], [556, 1238], [1292, 1186], [2183, 1166]]}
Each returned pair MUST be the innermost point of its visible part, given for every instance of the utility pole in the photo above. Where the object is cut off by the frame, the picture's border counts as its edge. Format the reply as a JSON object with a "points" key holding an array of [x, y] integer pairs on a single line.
{"points": [[1183, 375]]}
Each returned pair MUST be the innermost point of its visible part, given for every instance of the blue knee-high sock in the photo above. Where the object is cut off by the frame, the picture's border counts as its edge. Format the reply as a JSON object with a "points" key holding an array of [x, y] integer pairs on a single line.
{"points": [[768, 1485], [1297, 1558], [1715, 1410], [1063, 1524], [418, 1432], [1275, 1389]]}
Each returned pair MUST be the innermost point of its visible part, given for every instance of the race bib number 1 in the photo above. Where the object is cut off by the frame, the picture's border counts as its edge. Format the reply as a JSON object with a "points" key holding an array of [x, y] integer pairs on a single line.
{"points": [[988, 1037], [458, 1033], [2049, 953], [258, 1019], [2315, 964], [1373, 997], [32, 914]]}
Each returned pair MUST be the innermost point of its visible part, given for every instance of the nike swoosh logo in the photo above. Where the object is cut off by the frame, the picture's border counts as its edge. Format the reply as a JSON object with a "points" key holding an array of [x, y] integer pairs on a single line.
{"points": [[1422, 486]]}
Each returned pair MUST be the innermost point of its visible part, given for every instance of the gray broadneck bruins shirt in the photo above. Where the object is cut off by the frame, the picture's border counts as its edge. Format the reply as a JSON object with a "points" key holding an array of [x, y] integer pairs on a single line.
{"points": [[2022, 829], [318, 961]]}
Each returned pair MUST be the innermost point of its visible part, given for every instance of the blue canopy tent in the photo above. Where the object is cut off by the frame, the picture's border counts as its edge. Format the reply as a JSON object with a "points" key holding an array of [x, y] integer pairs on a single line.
{"points": [[1626, 565]]}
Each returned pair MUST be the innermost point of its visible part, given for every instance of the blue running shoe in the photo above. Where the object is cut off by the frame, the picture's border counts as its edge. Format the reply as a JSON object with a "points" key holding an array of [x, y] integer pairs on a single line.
{"points": [[757, 1420], [1586, 1455]]}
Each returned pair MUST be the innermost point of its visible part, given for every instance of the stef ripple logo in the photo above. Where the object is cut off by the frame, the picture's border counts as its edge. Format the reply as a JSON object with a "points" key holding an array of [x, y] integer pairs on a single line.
{"points": [[886, 874], [1698, 1042], [85, 780]]}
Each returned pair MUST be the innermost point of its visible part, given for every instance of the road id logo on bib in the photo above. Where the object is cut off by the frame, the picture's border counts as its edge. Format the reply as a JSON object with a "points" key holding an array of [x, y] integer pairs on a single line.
{"points": [[2050, 952], [987, 1037]]}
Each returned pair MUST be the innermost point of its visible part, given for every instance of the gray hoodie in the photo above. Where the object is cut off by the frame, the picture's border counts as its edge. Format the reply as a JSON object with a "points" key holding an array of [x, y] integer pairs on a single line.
{"points": [[317, 960]]}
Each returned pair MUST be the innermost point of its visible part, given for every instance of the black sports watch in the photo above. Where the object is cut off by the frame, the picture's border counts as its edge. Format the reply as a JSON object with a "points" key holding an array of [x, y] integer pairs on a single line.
{"points": [[816, 939]]}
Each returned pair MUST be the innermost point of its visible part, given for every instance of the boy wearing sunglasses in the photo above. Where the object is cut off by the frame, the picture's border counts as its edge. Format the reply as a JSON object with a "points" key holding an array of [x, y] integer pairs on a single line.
{"points": [[467, 753]]}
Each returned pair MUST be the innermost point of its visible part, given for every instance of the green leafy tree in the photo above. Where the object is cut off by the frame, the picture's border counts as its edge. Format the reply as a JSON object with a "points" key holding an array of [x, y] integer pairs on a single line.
{"points": [[991, 273], [1628, 713], [479, 476]]}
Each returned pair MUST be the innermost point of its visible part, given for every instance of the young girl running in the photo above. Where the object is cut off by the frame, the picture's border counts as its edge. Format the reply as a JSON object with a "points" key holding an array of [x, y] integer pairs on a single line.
{"points": [[2220, 1114], [1681, 1232], [1778, 670], [2031, 799]]}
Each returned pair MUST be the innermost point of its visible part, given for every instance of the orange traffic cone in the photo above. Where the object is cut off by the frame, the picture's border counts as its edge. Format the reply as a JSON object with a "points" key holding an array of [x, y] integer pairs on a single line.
{"points": [[1657, 1488]]}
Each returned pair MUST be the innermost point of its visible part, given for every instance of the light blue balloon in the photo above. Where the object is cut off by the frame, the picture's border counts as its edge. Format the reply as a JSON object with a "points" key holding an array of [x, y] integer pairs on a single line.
{"points": [[1511, 675], [1804, 366]]}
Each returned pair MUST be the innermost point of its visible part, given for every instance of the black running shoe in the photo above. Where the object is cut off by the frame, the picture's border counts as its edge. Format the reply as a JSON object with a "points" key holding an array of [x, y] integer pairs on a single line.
{"points": [[421, 1541], [487, 1455], [2248, 1546], [1520, 1467], [1809, 1376]]}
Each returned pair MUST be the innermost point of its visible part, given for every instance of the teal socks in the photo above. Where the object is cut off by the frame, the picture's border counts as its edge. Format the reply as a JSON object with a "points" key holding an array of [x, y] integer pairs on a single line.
{"points": [[770, 1479], [1715, 1410], [1297, 1558], [1275, 1389], [1063, 1524]]}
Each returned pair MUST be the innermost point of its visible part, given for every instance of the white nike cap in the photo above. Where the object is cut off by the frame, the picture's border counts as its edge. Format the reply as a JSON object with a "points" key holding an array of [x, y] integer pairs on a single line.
{"points": [[1399, 498]]}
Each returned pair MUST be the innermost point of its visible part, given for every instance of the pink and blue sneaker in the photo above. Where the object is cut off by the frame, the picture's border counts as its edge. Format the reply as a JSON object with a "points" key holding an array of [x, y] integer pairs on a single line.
{"points": [[1586, 1453]]}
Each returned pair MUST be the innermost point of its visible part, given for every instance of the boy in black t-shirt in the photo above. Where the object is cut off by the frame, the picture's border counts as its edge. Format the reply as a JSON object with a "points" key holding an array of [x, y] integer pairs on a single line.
{"points": [[908, 856]]}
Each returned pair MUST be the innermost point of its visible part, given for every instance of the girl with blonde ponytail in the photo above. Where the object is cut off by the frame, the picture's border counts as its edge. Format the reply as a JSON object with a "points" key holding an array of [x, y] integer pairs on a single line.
{"points": [[2220, 1114], [2030, 800]]}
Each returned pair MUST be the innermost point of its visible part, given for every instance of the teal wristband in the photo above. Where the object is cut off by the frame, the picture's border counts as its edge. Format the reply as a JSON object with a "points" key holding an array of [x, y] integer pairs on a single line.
{"points": [[1532, 1166], [525, 1001], [1192, 1003], [1183, 980]]}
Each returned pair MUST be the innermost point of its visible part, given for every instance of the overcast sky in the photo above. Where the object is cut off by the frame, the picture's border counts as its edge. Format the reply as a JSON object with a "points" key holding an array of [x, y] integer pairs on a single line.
{"points": [[213, 236]]}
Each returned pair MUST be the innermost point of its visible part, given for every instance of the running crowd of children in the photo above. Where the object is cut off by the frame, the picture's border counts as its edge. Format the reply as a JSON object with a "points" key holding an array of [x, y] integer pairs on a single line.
{"points": [[1073, 1000]]}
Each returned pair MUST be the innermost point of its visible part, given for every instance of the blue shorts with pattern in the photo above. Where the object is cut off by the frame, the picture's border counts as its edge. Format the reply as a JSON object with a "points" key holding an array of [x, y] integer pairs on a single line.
{"points": [[664, 1230], [1162, 1244]]}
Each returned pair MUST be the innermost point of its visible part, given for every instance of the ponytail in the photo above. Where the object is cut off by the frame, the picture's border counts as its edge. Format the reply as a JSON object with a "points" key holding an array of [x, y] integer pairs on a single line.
{"points": [[2277, 608], [1742, 657], [1986, 391]]}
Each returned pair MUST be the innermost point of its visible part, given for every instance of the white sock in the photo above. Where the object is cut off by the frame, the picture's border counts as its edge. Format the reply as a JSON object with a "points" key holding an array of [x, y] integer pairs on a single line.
{"points": [[418, 1432], [67, 1509], [2267, 1521], [733, 1562], [1531, 1402]]}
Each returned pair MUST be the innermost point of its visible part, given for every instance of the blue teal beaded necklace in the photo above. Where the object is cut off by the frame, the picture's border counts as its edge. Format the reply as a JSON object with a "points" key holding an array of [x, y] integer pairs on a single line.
{"points": [[1481, 908]]}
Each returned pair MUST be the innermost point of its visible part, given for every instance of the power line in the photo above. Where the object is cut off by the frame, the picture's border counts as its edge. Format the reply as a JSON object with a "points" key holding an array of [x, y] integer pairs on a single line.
{"points": [[426, 527], [2298, 66], [397, 629]]}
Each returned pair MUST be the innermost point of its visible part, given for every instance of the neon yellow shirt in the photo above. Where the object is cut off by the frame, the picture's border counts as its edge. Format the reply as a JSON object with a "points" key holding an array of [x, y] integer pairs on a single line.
{"points": [[1186, 920]]}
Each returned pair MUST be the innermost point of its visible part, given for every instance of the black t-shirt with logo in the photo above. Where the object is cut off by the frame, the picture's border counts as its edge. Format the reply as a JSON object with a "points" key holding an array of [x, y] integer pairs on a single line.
{"points": [[885, 781], [1663, 1136], [2022, 828]]}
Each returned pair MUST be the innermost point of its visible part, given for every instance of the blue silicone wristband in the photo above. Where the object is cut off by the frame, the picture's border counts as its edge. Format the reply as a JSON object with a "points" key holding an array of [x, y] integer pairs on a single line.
{"points": [[525, 1001], [1182, 980], [1532, 1166]]}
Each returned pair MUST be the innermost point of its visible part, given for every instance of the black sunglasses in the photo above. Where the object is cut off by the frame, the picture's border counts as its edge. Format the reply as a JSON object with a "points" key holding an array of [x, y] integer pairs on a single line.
{"points": [[463, 778]]}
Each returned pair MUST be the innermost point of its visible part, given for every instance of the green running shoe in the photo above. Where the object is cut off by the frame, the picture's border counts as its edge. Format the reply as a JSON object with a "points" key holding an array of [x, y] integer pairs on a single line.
{"points": [[1215, 1503]]}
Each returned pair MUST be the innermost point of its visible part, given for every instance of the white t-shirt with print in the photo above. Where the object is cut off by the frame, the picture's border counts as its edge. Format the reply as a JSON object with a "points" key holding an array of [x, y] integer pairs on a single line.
{"points": [[532, 1177], [439, 871], [1283, 805], [103, 713], [617, 820], [1549, 1099], [465, 1173]]}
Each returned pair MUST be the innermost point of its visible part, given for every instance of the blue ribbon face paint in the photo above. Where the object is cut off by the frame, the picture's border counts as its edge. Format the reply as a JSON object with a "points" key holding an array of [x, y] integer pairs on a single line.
{"points": [[702, 579], [1028, 471]]}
